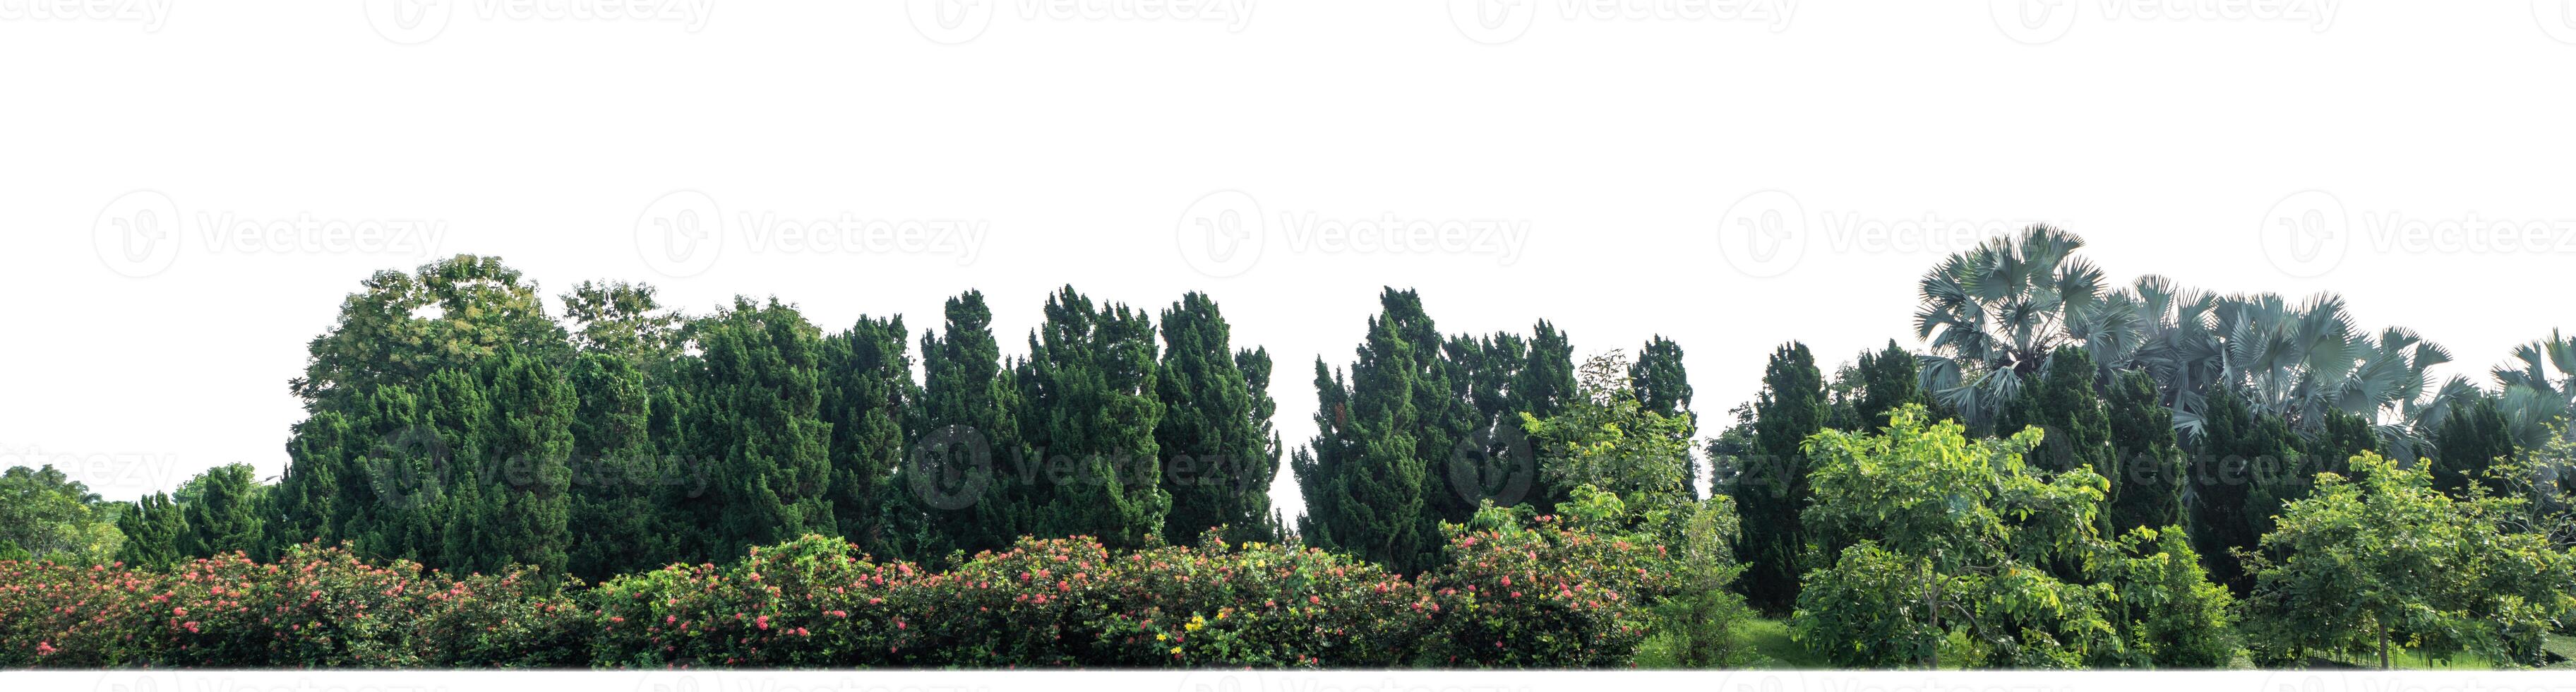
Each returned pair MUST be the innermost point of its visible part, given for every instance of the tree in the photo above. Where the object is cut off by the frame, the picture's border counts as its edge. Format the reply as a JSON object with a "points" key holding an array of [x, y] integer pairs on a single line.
{"points": [[1702, 617], [1997, 311], [2471, 441], [52, 517], [2537, 404], [868, 396], [2063, 403], [967, 410], [1089, 385], [1661, 382], [1938, 538], [622, 487], [1366, 474], [2147, 474], [152, 527], [2247, 466], [757, 420], [1607, 439], [522, 508], [1771, 487], [1215, 436], [2384, 558], [222, 512]]}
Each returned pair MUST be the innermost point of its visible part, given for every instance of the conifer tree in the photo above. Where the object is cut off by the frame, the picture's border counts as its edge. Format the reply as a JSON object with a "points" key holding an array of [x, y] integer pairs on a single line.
{"points": [[1772, 487], [956, 469], [1215, 437], [2470, 441], [1661, 382], [757, 421], [2147, 478], [152, 526], [2247, 465], [868, 396], [223, 514], [1089, 383], [1366, 474]]}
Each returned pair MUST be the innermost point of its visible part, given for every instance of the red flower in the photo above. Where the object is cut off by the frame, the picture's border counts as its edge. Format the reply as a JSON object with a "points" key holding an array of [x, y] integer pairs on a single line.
{"points": [[191, 625]]}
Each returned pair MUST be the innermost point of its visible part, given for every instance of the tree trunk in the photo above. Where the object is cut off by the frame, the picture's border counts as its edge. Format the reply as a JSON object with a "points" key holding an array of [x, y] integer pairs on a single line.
{"points": [[2383, 643]]}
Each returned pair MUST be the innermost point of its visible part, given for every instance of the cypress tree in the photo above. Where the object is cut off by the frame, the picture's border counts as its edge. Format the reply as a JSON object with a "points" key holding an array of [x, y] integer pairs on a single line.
{"points": [[1090, 387], [1366, 473], [2247, 463], [2468, 444], [954, 472], [152, 526], [618, 480], [1887, 382], [868, 397], [1661, 383], [223, 514], [526, 497], [1215, 435], [758, 422], [2147, 478], [2062, 402], [2344, 436], [1772, 488]]}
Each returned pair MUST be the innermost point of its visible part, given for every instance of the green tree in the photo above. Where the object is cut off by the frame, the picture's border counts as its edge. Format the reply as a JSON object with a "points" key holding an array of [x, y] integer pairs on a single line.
{"points": [[2471, 441], [1216, 439], [868, 397], [152, 527], [757, 422], [1771, 487], [1090, 387], [2247, 465], [1702, 619], [1939, 540], [968, 405], [1607, 439], [2147, 474], [2062, 402], [2362, 564], [1366, 475], [1661, 382], [222, 512], [51, 517]]}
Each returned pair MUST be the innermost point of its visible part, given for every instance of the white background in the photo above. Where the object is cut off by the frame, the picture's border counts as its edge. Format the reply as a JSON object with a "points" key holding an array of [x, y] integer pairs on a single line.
{"points": [[1634, 145]]}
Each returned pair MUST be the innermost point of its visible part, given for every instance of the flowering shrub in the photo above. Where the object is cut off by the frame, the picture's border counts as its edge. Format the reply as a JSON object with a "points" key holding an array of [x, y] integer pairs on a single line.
{"points": [[1538, 595]]}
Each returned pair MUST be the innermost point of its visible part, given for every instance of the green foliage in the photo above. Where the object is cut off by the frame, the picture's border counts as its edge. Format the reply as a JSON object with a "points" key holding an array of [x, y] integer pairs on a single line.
{"points": [[2472, 440], [2247, 466], [1703, 619], [868, 396], [152, 529], [1089, 389], [1215, 432], [1770, 487], [50, 516], [1366, 477], [1544, 592], [1607, 439], [1661, 382], [2000, 565], [2147, 469], [223, 513], [2386, 559], [966, 416], [757, 421], [2062, 402]]}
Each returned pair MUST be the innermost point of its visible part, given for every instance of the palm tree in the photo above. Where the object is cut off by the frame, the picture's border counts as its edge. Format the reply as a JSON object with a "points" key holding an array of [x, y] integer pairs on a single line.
{"points": [[1993, 313], [2538, 405]]}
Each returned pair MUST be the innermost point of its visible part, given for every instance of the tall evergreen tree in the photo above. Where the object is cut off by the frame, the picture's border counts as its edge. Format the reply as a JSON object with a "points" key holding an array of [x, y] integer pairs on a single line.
{"points": [[1215, 436], [2469, 443], [1889, 380], [224, 514], [2147, 482], [1661, 383], [2248, 464], [525, 499], [1366, 474], [2342, 437], [152, 527], [1772, 486], [1090, 386], [758, 421], [2062, 402], [868, 396], [955, 471], [620, 484]]}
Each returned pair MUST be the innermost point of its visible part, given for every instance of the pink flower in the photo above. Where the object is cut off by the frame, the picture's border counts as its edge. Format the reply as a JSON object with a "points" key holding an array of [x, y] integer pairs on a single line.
{"points": [[191, 625], [762, 621], [898, 624], [181, 612], [44, 649], [614, 618]]}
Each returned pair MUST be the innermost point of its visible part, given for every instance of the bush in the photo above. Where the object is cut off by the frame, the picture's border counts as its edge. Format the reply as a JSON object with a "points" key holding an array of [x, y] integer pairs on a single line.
{"points": [[1541, 594]]}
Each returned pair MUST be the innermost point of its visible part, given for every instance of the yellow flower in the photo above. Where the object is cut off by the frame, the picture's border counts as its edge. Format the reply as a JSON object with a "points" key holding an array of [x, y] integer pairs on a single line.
{"points": [[1176, 650], [1160, 637]]}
